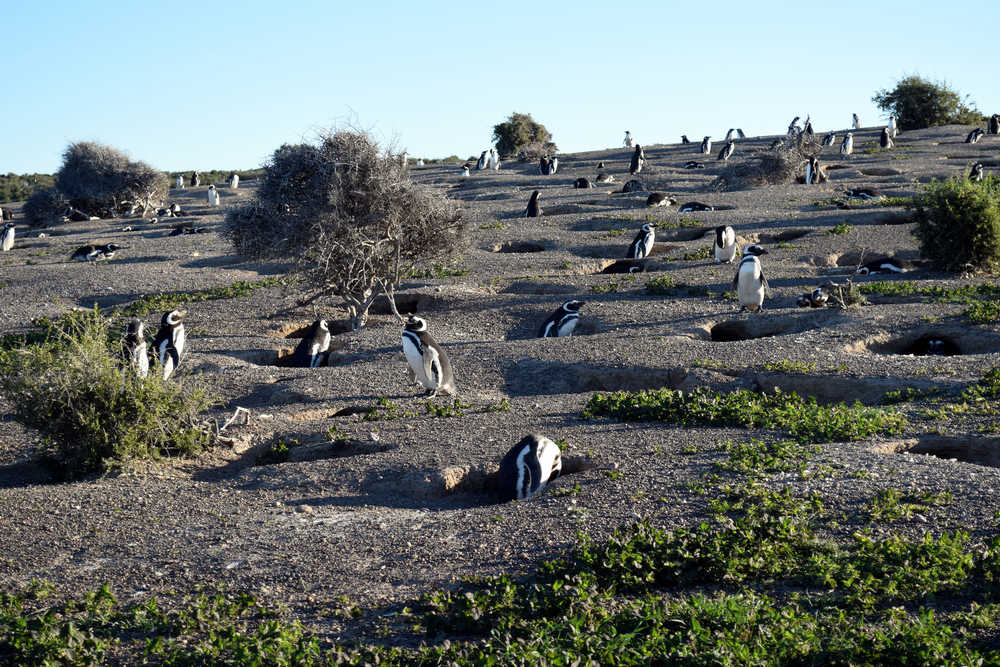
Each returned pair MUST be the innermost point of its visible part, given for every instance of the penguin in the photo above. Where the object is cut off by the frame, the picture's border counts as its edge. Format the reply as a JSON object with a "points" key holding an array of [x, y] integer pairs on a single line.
{"points": [[465, 170], [600, 165], [691, 164], [749, 283], [95, 253], [175, 209], [638, 157], [195, 179], [643, 242], [481, 163], [829, 139], [134, 348], [582, 184], [855, 121], [807, 129], [605, 178], [740, 134], [312, 350], [634, 185], [561, 323], [885, 140], [975, 136], [180, 230], [995, 123], [660, 199], [693, 206], [865, 194], [706, 145], [213, 196], [533, 210], [169, 341], [812, 171], [727, 151], [847, 147], [6, 215], [628, 139], [684, 139], [725, 244], [553, 165], [7, 240], [881, 265], [180, 181], [494, 160], [893, 127], [793, 127], [815, 299], [731, 134], [527, 468], [975, 175], [429, 364], [234, 181], [543, 165]]}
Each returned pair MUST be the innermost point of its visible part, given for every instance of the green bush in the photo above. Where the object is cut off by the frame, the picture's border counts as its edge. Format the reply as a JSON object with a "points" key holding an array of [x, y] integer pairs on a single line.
{"points": [[917, 103], [958, 224], [71, 387], [519, 131]]}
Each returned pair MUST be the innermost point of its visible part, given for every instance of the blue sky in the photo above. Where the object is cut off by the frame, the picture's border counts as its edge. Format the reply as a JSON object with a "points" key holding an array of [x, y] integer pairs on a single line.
{"points": [[221, 85]]}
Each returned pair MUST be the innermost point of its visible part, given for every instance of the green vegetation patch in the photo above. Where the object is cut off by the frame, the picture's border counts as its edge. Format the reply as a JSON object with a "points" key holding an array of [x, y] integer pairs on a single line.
{"points": [[158, 303]]}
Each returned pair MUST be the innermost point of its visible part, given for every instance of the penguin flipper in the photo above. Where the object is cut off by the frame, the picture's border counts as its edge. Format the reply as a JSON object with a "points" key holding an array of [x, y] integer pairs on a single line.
{"points": [[432, 364], [736, 281]]}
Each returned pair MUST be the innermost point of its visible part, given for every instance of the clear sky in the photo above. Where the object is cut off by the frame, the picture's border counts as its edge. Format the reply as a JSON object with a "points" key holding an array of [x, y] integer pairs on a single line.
{"points": [[193, 85]]}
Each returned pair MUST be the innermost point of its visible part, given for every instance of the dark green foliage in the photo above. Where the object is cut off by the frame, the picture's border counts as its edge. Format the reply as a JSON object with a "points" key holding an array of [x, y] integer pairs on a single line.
{"points": [[218, 177], [44, 207], [958, 224], [917, 103], [18, 187], [103, 181], [519, 132]]}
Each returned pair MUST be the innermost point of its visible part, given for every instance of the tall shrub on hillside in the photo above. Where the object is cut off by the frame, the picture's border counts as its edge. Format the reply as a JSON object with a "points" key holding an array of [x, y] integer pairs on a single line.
{"points": [[917, 103], [44, 207], [958, 224], [101, 180], [348, 215], [520, 131]]}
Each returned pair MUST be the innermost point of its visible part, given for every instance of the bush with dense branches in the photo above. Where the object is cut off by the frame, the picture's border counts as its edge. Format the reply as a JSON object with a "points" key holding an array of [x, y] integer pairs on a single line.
{"points": [[44, 207], [777, 166], [101, 180], [520, 131], [917, 103], [348, 215], [958, 224]]}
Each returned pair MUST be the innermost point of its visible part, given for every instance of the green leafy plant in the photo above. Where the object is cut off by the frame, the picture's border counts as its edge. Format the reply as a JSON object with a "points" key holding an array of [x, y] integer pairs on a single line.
{"points": [[704, 252], [839, 229], [917, 103], [958, 224], [521, 134]]}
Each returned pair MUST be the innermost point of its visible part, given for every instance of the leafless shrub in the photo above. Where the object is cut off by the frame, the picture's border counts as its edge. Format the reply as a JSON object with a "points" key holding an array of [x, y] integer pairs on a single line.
{"points": [[349, 217], [777, 166], [44, 207], [101, 180], [535, 150]]}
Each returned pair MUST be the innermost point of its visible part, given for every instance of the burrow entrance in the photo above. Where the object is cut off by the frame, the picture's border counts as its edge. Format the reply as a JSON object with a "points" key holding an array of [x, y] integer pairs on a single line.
{"points": [[970, 449], [926, 341], [783, 237], [763, 326], [293, 332], [518, 247]]}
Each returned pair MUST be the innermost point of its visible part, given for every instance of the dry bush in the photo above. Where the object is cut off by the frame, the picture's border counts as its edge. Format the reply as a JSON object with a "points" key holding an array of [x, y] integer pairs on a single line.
{"points": [[535, 150], [349, 217], [45, 207], [101, 180], [777, 166]]}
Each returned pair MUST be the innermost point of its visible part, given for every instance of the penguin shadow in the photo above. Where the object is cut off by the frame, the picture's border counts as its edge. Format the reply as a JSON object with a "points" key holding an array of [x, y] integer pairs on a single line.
{"points": [[219, 262], [142, 260]]}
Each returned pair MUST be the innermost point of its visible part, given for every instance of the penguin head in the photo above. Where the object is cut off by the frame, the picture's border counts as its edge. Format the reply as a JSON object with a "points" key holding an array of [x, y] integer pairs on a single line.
{"points": [[863, 270], [322, 324], [754, 250], [416, 324], [649, 226], [573, 306], [211, 187], [534, 195], [111, 247], [134, 329], [173, 317]]}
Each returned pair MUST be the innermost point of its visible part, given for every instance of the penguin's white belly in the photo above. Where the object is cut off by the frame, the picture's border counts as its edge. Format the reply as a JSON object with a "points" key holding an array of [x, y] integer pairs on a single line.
{"points": [[750, 288], [567, 326], [140, 361], [179, 338], [416, 361], [726, 253]]}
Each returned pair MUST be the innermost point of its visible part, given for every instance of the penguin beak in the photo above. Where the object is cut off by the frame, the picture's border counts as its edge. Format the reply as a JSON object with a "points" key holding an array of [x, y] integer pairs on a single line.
{"points": [[181, 313]]}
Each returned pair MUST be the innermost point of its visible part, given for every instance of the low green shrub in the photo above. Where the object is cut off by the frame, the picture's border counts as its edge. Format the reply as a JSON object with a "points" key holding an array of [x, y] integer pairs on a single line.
{"points": [[958, 224]]}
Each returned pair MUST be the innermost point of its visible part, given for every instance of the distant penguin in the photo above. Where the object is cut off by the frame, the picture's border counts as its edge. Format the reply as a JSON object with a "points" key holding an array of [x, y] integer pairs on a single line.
{"points": [[731, 134], [975, 175], [553, 165], [864, 193], [180, 181], [561, 323], [600, 165], [829, 139], [6, 215], [725, 244], [527, 468], [643, 242], [660, 199], [793, 127], [134, 348], [465, 170], [213, 196], [807, 129], [749, 283], [934, 345], [234, 181], [628, 139], [175, 209], [195, 179], [312, 350], [181, 230], [692, 164], [543, 165], [684, 139], [694, 206], [634, 185], [893, 127], [533, 210], [855, 121], [885, 139], [706, 145], [169, 341], [429, 364], [494, 160], [605, 178], [727, 151], [638, 157], [7, 240], [740, 134], [95, 253], [582, 183], [481, 163], [881, 265], [994, 127], [847, 147], [975, 136]]}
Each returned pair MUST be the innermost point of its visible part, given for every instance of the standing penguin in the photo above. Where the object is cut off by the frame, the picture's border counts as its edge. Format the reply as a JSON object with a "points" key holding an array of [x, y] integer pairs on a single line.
{"points": [[975, 136], [562, 322], [740, 134], [727, 151], [533, 210], [628, 139], [543, 165], [885, 140], [195, 179], [481, 163], [975, 175], [684, 139], [134, 348], [731, 134], [213, 196], [995, 123], [169, 341], [814, 174], [855, 121], [793, 127], [465, 170], [429, 364], [494, 160], [847, 147], [314, 347], [706, 145], [528, 467], [807, 129], [7, 241], [234, 181], [638, 157], [893, 127], [553, 165], [643, 242], [749, 282], [830, 139], [180, 181], [725, 244]]}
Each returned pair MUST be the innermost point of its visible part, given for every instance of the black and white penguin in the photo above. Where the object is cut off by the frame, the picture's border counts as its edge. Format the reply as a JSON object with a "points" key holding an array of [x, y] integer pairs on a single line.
{"points": [[169, 341], [533, 210], [830, 139], [934, 345], [706, 145], [195, 179], [465, 169], [694, 206], [725, 244], [6, 215], [134, 348], [481, 163], [234, 181], [628, 139], [494, 160], [731, 134], [582, 183], [815, 299], [638, 157], [660, 199], [975, 136], [643, 242], [213, 196], [429, 364], [994, 126], [634, 185], [881, 265], [727, 151], [749, 283], [180, 182], [807, 129], [312, 350], [7, 240], [692, 164], [893, 127], [864, 194], [95, 253], [855, 121], [885, 139], [553, 165], [562, 322], [527, 468], [740, 134], [543, 165], [812, 171], [684, 139], [600, 165], [976, 174], [605, 178], [793, 127], [847, 147]]}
